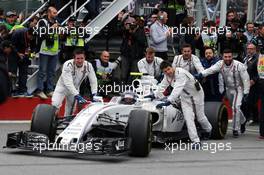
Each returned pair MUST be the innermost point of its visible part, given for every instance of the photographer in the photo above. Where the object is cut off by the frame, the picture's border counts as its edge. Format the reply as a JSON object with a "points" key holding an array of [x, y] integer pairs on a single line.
{"points": [[233, 39], [6, 51], [48, 54], [133, 46], [259, 40], [72, 40], [21, 40], [208, 38]]}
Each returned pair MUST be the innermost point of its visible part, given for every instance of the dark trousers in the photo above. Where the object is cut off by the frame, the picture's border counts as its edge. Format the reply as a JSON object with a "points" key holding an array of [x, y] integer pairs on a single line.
{"points": [[21, 65], [22, 75], [250, 108], [261, 118], [162, 55], [128, 65]]}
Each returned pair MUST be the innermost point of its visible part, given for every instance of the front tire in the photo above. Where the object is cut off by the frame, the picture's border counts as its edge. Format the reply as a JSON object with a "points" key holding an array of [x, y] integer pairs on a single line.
{"points": [[44, 120], [217, 115], [139, 131]]}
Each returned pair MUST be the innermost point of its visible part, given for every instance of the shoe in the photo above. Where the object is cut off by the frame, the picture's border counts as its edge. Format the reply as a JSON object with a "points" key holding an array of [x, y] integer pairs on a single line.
{"points": [[49, 94], [28, 95], [254, 123], [18, 94], [196, 146], [261, 137], [42, 95], [235, 134], [243, 128], [206, 136]]}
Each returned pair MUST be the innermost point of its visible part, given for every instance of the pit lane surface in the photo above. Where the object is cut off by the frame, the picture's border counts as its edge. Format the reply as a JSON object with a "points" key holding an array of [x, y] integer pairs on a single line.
{"points": [[245, 157]]}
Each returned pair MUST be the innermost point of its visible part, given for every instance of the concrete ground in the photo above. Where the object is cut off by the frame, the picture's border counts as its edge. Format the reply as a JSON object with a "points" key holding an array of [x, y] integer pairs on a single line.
{"points": [[244, 155]]}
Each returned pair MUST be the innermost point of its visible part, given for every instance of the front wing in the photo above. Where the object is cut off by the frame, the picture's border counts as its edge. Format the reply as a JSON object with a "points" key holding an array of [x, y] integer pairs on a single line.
{"points": [[40, 142]]}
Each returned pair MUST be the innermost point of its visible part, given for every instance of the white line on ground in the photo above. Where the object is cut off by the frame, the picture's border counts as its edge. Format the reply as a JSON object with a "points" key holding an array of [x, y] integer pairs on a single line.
{"points": [[247, 130], [14, 121]]}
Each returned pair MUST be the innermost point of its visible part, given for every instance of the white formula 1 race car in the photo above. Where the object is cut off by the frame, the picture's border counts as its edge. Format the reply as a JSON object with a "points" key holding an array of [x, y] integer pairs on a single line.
{"points": [[127, 124]]}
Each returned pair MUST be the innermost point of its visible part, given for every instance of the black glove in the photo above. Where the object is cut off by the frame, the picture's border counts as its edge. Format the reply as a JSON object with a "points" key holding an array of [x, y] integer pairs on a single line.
{"points": [[159, 106], [152, 97], [223, 94], [198, 76], [80, 99], [245, 98]]}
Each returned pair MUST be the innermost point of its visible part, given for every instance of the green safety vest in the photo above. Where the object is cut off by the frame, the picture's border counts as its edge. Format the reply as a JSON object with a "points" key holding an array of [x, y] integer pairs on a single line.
{"points": [[44, 49], [9, 26], [260, 66], [74, 41], [17, 27], [174, 5]]}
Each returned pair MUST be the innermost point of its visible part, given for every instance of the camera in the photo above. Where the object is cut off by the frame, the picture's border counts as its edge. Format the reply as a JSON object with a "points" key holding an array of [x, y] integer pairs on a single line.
{"points": [[132, 26], [197, 85], [50, 41]]}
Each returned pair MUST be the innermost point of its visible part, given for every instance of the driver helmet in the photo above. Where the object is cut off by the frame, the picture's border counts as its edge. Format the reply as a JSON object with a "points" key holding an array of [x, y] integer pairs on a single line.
{"points": [[128, 98]]}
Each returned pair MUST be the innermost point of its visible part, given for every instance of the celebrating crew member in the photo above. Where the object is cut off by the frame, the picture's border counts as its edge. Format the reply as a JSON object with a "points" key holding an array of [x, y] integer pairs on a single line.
{"points": [[74, 71], [187, 60], [150, 64], [191, 96], [234, 83]]}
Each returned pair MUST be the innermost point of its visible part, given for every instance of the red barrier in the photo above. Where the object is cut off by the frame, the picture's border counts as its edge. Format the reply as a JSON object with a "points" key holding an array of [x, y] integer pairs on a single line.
{"points": [[21, 108], [229, 108]]}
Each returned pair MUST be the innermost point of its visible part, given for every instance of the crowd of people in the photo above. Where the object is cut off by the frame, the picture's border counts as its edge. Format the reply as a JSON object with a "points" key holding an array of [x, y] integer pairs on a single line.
{"points": [[228, 65]]}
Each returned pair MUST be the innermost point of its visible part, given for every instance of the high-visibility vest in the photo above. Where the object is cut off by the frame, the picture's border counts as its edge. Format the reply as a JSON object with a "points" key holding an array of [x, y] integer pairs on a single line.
{"points": [[54, 49], [174, 5], [260, 66], [74, 40], [17, 27], [101, 70]]}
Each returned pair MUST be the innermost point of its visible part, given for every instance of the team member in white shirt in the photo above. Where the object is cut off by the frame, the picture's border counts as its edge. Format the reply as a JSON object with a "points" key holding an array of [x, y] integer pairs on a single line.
{"points": [[74, 71], [150, 64], [191, 96], [187, 60], [234, 81]]}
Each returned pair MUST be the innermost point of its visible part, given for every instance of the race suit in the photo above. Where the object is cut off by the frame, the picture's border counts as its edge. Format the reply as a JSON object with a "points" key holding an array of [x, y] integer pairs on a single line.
{"points": [[69, 84], [152, 68], [235, 80], [192, 100], [192, 65]]}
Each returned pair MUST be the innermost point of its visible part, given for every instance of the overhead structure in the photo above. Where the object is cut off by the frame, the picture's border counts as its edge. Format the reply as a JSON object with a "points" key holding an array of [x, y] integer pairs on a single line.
{"points": [[106, 16], [251, 10], [223, 10], [199, 14]]}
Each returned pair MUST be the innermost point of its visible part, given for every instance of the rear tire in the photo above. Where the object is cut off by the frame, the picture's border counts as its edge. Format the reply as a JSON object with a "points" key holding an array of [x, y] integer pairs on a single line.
{"points": [[139, 131], [44, 120], [217, 115]]}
